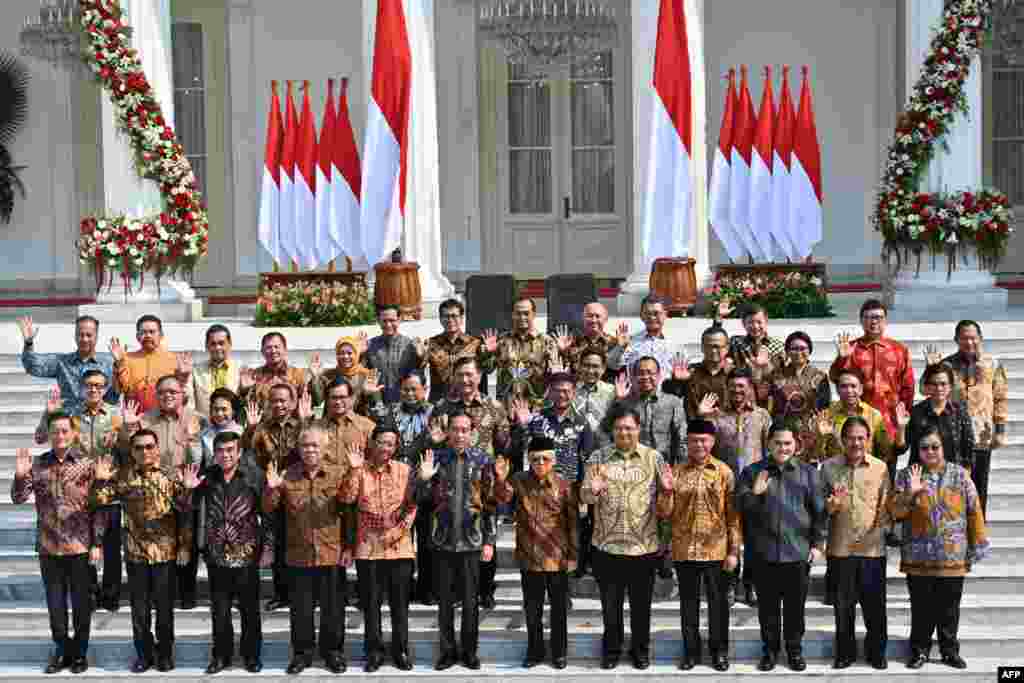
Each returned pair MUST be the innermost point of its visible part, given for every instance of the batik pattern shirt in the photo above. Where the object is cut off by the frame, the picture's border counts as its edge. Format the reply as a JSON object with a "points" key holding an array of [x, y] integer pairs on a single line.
{"points": [[641, 345], [546, 520], [701, 511], [177, 435], [68, 369], [795, 396], [314, 525], [955, 427], [342, 434], [857, 523], [662, 424], [138, 372], [888, 375], [880, 444], [276, 442], [983, 386], [701, 383], [525, 359], [66, 524], [156, 506], [442, 354], [93, 427], [460, 496], [232, 529], [581, 344], [593, 402], [264, 378], [491, 427], [572, 436], [385, 497], [625, 515], [391, 357], [742, 437], [742, 345], [944, 528], [413, 424]]}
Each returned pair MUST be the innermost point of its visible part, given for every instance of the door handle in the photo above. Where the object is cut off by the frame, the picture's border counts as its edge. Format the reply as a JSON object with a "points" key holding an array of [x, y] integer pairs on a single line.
{"points": [[567, 204]]}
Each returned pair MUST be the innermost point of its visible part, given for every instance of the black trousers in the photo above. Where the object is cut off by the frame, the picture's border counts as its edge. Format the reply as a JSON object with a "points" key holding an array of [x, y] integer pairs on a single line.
{"points": [[616, 576], [152, 587], [308, 583], [457, 577], [935, 606], [586, 527], [690, 575], [860, 580], [227, 584], [556, 586], [110, 588], [282, 573], [186, 574], [982, 465], [782, 593], [64, 576], [377, 577], [488, 572], [424, 554]]}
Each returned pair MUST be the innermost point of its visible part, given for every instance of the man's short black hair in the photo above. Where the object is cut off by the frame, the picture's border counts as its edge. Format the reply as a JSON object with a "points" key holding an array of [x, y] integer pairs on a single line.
{"points": [[216, 329], [148, 318]]}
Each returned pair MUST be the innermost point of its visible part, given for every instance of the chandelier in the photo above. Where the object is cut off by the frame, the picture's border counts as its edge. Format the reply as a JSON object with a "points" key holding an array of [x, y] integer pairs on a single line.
{"points": [[55, 34], [1008, 30], [544, 37]]}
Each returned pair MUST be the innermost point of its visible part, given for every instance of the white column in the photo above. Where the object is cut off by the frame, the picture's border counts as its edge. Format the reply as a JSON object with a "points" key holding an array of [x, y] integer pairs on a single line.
{"points": [[956, 166], [421, 237], [643, 35]]}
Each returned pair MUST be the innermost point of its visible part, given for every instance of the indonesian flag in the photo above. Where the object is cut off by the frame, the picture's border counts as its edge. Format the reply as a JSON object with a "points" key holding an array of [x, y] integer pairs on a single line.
{"points": [[386, 148], [805, 207], [718, 211], [270, 193], [666, 224], [739, 181], [761, 159], [305, 184], [785, 123], [346, 181], [325, 247], [287, 242]]}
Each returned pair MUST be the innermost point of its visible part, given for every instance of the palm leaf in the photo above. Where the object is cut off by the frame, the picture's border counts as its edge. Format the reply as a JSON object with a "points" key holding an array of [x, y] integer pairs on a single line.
{"points": [[13, 96]]}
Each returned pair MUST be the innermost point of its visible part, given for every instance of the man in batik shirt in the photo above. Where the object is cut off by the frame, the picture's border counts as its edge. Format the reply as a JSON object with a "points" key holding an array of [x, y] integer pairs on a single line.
{"points": [[256, 384], [137, 373], [446, 349], [392, 354], [571, 347], [525, 355], [757, 350]]}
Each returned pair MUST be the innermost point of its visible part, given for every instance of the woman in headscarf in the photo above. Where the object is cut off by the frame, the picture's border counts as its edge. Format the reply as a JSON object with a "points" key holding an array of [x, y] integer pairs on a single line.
{"points": [[797, 390], [348, 353]]}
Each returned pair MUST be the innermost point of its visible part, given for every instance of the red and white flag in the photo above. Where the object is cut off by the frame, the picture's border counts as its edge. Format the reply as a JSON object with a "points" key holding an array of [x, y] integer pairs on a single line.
{"points": [[305, 184], [666, 221], [739, 183], [386, 148], [718, 211], [805, 215], [270, 192], [761, 158], [346, 182], [326, 249], [785, 122], [287, 243]]}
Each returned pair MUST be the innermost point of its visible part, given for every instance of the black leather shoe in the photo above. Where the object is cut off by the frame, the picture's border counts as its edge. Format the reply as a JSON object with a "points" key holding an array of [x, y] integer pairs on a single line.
{"points": [[79, 665], [471, 662], [767, 663], [750, 596], [880, 663], [559, 663], [402, 662], [297, 665], [917, 660], [797, 663], [719, 662], [609, 662], [335, 664], [372, 664], [216, 666], [57, 664], [188, 603], [640, 661], [447, 661], [253, 666], [687, 663], [276, 604], [954, 660], [487, 602], [532, 661], [842, 663], [165, 664], [109, 604], [142, 666]]}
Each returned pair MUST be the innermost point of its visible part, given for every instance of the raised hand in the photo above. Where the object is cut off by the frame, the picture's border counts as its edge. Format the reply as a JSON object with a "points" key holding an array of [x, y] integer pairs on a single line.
{"points": [[315, 366], [501, 468], [438, 430], [823, 423], [680, 367], [22, 463], [190, 478], [109, 439], [839, 494], [761, 358], [421, 347], [916, 483], [562, 338], [28, 331], [253, 413], [667, 479], [274, 478], [371, 385], [130, 411], [364, 342], [708, 405], [932, 355], [246, 378], [622, 385], [428, 468], [520, 410], [725, 309], [490, 340], [305, 407], [760, 484], [844, 344], [599, 482], [622, 334], [116, 349], [184, 363], [728, 365], [53, 403], [104, 468], [902, 415], [356, 459], [556, 366]]}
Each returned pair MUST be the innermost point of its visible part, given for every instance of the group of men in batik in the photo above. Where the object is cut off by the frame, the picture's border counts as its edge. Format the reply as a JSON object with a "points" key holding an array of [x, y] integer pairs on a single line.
{"points": [[611, 453]]}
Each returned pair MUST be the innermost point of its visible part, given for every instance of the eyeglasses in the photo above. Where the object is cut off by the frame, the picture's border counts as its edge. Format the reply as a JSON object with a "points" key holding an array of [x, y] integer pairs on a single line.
{"points": [[145, 447], [799, 349], [89, 386], [451, 316], [168, 392], [646, 373], [931, 447], [875, 317]]}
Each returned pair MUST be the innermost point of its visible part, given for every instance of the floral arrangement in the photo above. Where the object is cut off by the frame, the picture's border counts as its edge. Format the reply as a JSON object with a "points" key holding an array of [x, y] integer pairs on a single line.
{"points": [[911, 220], [784, 295], [174, 240], [315, 304]]}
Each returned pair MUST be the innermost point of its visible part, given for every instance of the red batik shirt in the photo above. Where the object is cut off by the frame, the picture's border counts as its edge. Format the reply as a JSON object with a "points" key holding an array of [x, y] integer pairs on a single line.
{"points": [[888, 375]]}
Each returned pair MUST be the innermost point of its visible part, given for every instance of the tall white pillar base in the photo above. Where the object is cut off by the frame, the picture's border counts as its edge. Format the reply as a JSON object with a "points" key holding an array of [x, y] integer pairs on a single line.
{"points": [[173, 301], [970, 289]]}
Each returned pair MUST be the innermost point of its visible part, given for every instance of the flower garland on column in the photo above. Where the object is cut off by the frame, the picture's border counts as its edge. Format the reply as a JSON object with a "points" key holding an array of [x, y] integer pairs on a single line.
{"points": [[174, 240], [912, 220]]}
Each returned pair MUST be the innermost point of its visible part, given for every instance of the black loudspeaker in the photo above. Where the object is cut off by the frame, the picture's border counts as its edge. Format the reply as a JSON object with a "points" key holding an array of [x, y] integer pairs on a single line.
{"points": [[567, 295], [489, 301]]}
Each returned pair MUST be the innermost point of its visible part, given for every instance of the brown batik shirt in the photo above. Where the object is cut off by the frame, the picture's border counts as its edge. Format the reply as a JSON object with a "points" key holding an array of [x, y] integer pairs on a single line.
{"points": [[546, 513], [702, 512], [315, 534], [385, 498]]}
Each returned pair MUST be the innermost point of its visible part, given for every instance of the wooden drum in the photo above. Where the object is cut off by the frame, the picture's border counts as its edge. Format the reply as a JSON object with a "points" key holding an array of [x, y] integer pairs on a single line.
{"points": [[674, 279], [398, 284]]}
